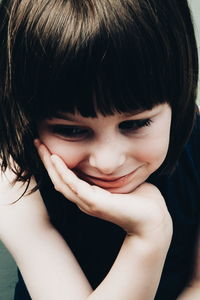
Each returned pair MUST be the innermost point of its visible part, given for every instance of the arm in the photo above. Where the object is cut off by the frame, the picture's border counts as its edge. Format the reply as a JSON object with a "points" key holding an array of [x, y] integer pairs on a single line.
{"points": [[137, 269], [43, 257], [192, 291], [142, 214], [36, 246]]}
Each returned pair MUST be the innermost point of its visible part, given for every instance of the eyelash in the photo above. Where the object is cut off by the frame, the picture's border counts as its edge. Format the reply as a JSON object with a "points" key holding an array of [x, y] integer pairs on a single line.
{"points": [[69, 131], [134, 125], [77, 132]]}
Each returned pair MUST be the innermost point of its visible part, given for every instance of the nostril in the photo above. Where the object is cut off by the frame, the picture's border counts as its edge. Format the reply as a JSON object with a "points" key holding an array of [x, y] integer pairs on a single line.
{"points": [[107, 164]]}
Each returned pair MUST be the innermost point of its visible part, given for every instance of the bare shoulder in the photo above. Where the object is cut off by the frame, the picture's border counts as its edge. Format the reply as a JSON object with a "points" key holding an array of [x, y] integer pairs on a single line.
{"points": [[15, 196], [10, 191], [27, 214]]}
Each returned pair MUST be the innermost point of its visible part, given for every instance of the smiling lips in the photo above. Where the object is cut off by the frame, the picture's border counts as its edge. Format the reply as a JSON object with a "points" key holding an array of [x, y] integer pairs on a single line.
{"points": [[108, 183]]}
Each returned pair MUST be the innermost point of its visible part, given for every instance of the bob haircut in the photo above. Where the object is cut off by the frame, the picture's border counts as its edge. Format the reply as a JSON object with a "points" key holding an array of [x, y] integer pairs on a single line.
{"points": [[93, 56]]}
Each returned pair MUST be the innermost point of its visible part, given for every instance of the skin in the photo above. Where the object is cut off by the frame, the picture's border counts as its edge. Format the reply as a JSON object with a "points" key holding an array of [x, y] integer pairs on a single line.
{"points": [[144, 151], [137, 151], [142, 213], [137, 207], [140, 209]]}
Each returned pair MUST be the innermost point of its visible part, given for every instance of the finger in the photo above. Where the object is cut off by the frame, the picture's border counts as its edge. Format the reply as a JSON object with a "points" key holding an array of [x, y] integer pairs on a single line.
{"points": [[68, 176], [37, 143], [56, 179], [45, 156], [90, 195], [64, 180]]}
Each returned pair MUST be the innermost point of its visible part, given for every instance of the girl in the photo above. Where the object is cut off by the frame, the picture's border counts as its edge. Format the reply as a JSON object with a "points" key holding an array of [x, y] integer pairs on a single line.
{"points": [[99, 148]]}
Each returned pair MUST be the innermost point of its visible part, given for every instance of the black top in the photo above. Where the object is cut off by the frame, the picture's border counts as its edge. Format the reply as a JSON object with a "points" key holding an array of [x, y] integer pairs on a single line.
{"points": [[96, 243]]}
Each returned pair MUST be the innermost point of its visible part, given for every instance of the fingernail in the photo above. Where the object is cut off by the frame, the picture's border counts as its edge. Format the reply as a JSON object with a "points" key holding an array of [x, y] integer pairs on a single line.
{"points": [[54, 157], [37, 143]]}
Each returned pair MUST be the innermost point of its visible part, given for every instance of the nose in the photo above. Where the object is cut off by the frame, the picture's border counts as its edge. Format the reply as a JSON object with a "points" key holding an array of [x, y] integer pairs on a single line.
{"points": [[107, 158]]}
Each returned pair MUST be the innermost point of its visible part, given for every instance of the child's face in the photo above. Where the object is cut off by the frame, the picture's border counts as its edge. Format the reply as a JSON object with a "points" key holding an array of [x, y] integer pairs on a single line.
{"points": [[117, 152]]}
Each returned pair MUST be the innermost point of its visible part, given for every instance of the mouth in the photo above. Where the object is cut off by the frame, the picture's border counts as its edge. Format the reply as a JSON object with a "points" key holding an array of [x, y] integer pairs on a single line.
{"points": [[104, 182]]}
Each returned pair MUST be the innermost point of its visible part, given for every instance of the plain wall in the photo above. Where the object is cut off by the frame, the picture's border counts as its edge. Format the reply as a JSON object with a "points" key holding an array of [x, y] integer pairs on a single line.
{"points": [[195, 8]]}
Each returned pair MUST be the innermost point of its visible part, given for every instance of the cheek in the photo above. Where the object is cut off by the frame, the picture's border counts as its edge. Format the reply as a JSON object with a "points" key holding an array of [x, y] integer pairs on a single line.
{"points": [[70, 154], [155, 146], [152, 151]]}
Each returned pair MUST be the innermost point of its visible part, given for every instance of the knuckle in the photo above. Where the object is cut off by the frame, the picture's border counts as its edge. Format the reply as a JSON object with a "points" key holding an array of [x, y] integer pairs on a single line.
{"points": [[93, 209], [63, 177], [56, 187], [74, 189]]}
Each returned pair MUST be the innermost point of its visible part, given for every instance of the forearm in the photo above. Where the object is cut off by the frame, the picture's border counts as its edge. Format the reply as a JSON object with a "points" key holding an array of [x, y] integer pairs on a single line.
{"points": [[51, 271], [49, 268], [54, 271], [137, 270]]}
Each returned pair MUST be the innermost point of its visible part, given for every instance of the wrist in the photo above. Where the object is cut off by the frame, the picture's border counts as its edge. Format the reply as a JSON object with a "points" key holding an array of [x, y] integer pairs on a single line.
{"points": [[157, 237]]}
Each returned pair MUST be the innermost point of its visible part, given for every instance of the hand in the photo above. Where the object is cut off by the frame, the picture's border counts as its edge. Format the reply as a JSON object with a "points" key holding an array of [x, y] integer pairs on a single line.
{"points": [[142, 212]]}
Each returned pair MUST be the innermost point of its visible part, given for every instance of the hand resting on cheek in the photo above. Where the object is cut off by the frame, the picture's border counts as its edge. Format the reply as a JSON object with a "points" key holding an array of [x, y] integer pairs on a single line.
{"points": [[142, 212]]}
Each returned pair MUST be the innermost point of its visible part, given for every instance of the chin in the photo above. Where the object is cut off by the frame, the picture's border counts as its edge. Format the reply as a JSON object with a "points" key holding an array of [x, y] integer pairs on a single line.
{"points": [[124, 189]]}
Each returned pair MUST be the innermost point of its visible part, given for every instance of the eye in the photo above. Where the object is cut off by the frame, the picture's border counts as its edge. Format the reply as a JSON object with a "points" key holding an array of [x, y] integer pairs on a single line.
{"points": [[69, 132], [133, 125]]}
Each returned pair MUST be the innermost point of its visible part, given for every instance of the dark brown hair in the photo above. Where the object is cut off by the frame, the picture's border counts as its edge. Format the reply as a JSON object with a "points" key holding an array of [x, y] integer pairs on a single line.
{"points": [[88, 55]]}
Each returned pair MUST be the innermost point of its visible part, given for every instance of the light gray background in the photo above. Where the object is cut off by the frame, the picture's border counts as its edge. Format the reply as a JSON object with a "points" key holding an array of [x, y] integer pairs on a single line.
{"points": [[195, 7], [8, 274]]}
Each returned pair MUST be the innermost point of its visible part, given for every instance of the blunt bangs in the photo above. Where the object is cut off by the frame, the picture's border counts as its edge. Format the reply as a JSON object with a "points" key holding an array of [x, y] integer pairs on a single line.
{"points": [[92, 57], [79, 58]]}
